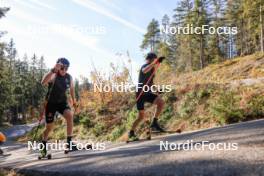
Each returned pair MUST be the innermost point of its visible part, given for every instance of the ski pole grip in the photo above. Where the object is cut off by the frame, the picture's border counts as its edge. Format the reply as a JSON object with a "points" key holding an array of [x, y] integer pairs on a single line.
{"points": [[160, 59]]}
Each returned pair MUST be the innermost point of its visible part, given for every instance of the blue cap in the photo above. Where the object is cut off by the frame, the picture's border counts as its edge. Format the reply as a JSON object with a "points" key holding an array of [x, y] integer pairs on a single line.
{"points": [[63, 61]]}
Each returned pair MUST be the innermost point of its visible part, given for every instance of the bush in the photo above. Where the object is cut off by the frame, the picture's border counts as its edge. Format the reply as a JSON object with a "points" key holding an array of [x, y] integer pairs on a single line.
{"points": [[255, 108], [117, 132], [102, 110], [226, 108], [131, 117], [121, 129], [84, 120], [203, 94], [166, 115], [189, 104], [59, 133], [98, 129], [170, 97]]}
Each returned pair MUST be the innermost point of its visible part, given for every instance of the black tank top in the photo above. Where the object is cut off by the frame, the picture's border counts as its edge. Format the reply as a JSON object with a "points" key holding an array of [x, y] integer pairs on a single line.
{"points": [[57, 90], [144, 78]]}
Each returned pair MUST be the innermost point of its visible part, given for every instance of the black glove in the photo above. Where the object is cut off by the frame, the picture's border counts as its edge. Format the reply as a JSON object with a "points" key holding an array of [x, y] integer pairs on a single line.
{"points": [[161, 59]]}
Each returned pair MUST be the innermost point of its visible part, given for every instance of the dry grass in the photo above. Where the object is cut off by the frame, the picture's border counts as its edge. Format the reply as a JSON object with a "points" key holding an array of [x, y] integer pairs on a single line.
{"points": [[251, 66]]}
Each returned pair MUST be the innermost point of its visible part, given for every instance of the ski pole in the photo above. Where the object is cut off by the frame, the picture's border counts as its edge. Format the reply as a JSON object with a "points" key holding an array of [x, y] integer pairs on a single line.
{"points": [[40, 119], [44, 110], [151, 76]]}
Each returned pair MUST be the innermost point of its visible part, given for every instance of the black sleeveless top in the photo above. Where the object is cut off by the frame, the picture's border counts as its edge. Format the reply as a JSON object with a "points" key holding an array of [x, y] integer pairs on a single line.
{"points": [[144, 78], [57, 90]]}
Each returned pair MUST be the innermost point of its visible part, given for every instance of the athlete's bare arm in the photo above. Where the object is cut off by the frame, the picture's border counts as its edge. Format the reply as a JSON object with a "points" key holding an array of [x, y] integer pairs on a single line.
{"points": [[72, 92], [51, 75]]}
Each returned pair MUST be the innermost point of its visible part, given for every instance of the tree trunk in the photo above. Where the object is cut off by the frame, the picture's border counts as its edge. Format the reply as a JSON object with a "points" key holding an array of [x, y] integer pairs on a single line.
{"points": [[261, 28], [201, 52]]}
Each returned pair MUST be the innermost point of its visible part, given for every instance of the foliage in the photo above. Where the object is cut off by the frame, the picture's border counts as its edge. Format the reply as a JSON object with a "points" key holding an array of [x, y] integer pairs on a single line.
{"points": [[195, 51], [226, 108]]}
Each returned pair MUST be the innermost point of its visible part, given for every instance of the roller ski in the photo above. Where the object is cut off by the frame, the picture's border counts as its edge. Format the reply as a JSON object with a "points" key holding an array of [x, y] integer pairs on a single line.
{"points": [[156, 129], [3, 154], [44, 154], [133, 138], [167, 131], [69, 149], [74, 148]]}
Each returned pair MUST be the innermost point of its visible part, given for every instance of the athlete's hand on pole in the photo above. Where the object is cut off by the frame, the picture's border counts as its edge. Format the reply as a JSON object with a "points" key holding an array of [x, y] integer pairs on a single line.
{"points": [[75, 106], [74, 103], [160, 59]]}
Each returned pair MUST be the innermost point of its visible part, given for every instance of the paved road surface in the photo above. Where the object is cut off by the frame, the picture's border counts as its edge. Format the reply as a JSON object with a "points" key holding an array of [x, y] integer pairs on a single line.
{"points": [[18, 130], [146, 158]]}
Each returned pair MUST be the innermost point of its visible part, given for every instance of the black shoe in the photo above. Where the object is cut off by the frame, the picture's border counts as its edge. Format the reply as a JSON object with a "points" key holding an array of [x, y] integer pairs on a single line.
{"points": [[155, 127], [132, 136], [43, 151], [73, 147], [70, 145]]}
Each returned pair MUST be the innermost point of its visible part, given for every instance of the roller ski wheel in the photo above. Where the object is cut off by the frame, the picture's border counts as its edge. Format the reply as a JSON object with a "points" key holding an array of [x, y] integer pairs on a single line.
{"points": [[48, 156], [148, 137], [70, 151], [147, 130], [132, 140], [75, 149]]}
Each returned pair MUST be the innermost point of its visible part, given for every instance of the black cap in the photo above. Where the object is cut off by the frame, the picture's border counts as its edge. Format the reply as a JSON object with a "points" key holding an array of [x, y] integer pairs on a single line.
{"points": [[151, 56]]}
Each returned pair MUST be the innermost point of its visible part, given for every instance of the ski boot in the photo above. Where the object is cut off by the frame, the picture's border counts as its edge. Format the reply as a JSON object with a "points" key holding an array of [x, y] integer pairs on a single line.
{"points": [[71, 147], [132, 137], [155, 127], [44, 153]]}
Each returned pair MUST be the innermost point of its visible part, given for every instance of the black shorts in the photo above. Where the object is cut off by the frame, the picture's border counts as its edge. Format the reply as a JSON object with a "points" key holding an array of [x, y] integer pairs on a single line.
{"points": [[145, 97], [52, 108]]}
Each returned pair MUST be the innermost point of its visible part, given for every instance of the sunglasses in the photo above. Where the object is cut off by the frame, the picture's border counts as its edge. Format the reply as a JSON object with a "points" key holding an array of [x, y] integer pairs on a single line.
{"points": [[64, 68]]}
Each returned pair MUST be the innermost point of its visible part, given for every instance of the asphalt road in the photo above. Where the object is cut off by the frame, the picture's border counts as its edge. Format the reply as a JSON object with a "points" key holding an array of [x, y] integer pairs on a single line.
{"points": [[240, 152], [18, 130]]}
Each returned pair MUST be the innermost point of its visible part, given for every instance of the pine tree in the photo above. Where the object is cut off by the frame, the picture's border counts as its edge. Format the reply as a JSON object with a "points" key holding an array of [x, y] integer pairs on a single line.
{"points": [[152, 37], [181, 43], [165, 23], [200, 16], [217, 19]]}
